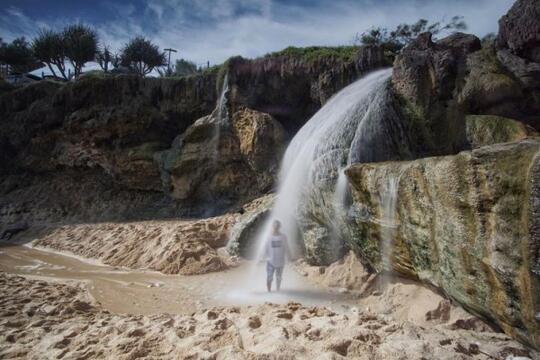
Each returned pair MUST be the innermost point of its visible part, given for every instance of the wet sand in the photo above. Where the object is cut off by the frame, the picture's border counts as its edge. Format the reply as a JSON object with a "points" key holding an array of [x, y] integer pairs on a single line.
{"points": [[127, 291]]}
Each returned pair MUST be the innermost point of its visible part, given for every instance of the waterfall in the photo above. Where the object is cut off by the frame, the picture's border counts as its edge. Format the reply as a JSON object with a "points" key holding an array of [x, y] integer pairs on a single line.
{"points": [[220, 114], [321, 150], [388, 201]]}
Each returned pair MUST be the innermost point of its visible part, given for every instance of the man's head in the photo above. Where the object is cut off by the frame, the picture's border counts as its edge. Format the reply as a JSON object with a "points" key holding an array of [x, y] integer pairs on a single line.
{"points": [[276, 225]]}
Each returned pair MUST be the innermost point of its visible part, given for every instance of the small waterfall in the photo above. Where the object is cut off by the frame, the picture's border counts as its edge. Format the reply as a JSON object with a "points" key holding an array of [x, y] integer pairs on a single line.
{"points": [[220, 114], [388, 201], [320, 151]]}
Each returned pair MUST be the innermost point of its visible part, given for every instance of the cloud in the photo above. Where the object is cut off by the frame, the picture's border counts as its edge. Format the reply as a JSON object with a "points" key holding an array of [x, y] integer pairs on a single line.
{"points": [[214, 30]]}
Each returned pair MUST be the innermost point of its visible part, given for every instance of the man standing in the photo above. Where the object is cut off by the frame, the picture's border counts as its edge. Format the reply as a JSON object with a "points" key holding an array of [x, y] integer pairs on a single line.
{"points": [[275, 249]]}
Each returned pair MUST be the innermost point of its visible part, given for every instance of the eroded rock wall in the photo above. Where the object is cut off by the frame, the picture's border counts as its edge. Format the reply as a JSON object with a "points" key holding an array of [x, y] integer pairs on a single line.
{"points": [[466, 223]]}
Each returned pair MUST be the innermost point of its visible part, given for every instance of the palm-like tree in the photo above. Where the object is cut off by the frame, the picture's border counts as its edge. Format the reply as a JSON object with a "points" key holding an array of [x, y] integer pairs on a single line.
{"points": [[18, 56], [104, 57], [49, 47], [81, 45], [141, 56]]}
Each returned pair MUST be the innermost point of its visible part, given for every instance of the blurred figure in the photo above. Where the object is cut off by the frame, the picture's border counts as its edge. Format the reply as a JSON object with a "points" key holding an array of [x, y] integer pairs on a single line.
{"points": [[276, 248]]}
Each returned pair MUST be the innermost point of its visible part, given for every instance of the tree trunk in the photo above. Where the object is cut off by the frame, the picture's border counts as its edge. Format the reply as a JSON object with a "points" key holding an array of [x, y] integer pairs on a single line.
{"points": [[52, 69]]}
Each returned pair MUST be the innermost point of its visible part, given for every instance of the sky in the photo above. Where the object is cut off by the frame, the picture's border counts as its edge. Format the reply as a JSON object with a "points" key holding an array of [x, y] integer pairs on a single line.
{"points": [[214, 30]]}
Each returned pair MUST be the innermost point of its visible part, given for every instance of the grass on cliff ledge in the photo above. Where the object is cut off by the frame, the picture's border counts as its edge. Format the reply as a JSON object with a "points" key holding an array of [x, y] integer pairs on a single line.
{"points": [[313, 53]]}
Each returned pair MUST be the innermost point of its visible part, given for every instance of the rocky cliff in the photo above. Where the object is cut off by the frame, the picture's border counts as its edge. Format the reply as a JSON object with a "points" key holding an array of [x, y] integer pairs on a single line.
{"points": [[466, 223], [117, 127]]}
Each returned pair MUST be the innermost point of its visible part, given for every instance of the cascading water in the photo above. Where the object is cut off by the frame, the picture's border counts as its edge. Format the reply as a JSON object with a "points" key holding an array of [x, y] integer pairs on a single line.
{"points": [[321, 149], [220, 114], [388, 201]]}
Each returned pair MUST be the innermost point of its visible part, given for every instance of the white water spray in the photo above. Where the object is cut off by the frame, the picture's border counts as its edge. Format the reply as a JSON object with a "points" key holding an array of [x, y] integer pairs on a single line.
{"points": [[321, 149], [388, 201], [220, 114]]}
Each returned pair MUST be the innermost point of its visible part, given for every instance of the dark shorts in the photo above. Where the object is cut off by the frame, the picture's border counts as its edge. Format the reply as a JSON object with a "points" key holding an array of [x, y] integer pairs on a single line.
{"points": [[270, 269]]}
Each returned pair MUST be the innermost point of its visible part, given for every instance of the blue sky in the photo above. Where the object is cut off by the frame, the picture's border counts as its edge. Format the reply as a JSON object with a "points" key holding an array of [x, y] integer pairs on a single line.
{"points": [[214, 30]]}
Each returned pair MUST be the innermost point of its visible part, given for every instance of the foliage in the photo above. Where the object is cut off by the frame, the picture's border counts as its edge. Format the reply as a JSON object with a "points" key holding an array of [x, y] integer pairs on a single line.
{"points": [[181, 68], [105, 58], [18, 55], [81, 45], [141, 56], [394, 40], [184, 67], [50, 48], [313, 53]]}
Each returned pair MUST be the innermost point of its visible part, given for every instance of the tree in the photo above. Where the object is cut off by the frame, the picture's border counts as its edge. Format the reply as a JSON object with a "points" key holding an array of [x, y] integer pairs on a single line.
{"points": [[19, 56], [141, 56], [184, 67], [393, 41], [81, 45], [50, 48], [181, 68], [105, 57]]}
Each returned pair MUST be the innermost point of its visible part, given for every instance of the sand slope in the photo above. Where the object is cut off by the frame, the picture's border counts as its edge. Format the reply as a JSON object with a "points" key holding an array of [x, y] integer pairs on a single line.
{"points": [[51, 320], [172, 247]]}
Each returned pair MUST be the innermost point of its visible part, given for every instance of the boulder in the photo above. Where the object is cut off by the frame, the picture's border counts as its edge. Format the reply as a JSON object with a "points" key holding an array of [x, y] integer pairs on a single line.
{"points": [[519, 30], [489, 88], [221, 162], [467, 223], [244, 232]]}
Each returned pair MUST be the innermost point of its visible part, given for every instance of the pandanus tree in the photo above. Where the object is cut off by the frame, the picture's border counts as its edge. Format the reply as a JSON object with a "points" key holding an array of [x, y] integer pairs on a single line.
{"points": [[49, 47], [18, 56], [77, 44], [81, 45], [141, 56], [106, 59]]}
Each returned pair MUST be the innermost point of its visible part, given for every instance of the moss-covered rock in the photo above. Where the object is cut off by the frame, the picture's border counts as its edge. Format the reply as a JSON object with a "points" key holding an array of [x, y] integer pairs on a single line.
{"points": [[488, 130], [467, 223], [488, 85]]}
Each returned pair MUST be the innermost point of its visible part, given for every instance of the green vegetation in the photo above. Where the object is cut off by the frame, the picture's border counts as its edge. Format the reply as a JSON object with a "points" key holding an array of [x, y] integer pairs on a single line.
{"points": [[77, 43], [141, 56], [313, 53], [81, 45], [18, 55], [49, 48], [105, 58], [394, 40]]}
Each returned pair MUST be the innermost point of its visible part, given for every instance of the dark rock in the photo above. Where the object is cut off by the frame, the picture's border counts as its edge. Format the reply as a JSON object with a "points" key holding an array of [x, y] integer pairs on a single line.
{"points": [[519, 30], [427, 76]]}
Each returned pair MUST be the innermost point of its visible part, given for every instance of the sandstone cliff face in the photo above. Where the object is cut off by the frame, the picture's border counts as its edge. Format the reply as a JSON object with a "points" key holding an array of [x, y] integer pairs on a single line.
{"points": [[117, 126], [292, 88], [466, 223]]}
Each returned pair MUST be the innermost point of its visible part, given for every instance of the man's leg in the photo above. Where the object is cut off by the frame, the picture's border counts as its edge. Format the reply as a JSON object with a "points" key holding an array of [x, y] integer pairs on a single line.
{"points": [[269, 276], [279, 273]]}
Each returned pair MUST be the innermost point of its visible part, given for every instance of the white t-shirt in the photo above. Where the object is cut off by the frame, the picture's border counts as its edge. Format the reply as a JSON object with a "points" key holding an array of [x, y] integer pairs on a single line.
{"points": [[276, 247]]}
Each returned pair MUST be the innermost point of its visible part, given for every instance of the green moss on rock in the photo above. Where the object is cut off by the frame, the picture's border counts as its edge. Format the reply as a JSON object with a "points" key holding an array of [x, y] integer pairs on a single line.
{"points": [[488, 130]]}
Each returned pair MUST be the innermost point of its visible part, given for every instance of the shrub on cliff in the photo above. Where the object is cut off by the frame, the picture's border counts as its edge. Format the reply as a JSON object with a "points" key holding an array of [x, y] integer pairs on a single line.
{"points": [[312, 53], [141, 56], [394, 40]]}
